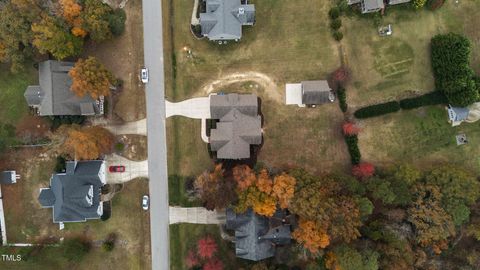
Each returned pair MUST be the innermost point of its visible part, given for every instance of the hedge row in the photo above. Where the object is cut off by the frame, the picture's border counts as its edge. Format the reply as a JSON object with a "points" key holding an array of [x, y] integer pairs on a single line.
{"points": [[352, 145], [378, 109], [342, 99], [432, 98]]}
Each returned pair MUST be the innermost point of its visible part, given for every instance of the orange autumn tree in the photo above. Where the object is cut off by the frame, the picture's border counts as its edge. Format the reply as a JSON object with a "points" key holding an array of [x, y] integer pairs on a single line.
{"points": [[283, 189], [70, 11], [89, 76], [244, 176], [264, 182], [311, 236], [88, 143]]}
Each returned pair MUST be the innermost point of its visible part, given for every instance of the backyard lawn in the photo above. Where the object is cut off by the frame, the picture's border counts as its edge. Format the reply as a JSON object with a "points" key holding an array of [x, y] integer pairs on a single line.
{"points": [[386, 68], [12, 87], [421, 137]]}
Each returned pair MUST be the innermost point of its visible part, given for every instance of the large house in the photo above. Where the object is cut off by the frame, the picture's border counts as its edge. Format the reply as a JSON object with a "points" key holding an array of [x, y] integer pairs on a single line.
{"points": [[223, 19], [309, 93], [369, 6], [239, 126], [256, 237], [53, 95], [74, 195]]}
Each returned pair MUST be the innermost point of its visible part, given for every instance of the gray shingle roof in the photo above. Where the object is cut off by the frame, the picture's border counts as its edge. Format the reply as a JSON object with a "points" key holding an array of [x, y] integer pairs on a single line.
{"points": [[316, 92], [372, 5], [8, 177], [254, 239], [240, 125], [223, 19], [75, 195], [53, 96]]}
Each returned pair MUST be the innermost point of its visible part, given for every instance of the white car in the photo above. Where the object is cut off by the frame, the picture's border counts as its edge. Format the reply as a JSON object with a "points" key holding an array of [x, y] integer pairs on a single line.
{"points": [[144, 75], [145, 202]]}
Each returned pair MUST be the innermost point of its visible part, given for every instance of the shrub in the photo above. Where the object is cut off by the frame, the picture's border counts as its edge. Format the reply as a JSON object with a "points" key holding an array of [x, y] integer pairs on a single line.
{"points": [[419, 3], [363, 170], [340, 76], [451, 67], [350, 129], [116, 21], [119, 147], [435, 4], [334, 13], [337, 35], [109, 243], [59, 120], [432, 98], [352, 145], [342, 99], [378, 109], [336, 24], [206, 247], [60, 164]]}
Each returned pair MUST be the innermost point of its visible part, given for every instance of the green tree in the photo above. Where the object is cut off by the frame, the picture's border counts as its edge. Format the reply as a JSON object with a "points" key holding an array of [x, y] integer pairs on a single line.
{"points": [[7, 136], [116, 21], [459, 189], [51, 36], [348, 258], [419, 3], [95, 16], [381, 189]]}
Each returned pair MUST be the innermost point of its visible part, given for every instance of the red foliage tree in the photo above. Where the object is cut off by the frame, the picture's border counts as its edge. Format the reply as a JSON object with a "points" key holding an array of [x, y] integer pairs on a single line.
{"points": [[341, 76], [213, 264], [206, 247], [191, 260], [363, 170], [350, 129]]}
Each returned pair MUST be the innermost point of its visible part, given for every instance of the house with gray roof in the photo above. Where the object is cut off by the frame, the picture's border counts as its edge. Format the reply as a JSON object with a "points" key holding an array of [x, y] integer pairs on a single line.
{"points": [[256, 237], [74, 196], [223, 19], [53, 95], [239, 126], [369, 6], [309, 93]]}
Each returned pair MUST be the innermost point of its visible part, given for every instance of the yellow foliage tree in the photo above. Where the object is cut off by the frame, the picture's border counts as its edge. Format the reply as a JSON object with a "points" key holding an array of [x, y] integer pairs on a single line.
{"points": [[88, 143], [264, 182], [311, 236], [260, 202], [284, 189], [70, 11], [331, 261]]}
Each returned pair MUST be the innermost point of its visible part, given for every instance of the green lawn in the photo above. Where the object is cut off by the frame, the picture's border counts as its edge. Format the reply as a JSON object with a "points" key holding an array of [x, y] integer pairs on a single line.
{"points": [[386, 68], [12, 87], [421, 137]]}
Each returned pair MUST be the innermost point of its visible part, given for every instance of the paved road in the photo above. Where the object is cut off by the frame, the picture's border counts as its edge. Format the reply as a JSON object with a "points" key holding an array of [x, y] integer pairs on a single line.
{"points": [[157, 147]]}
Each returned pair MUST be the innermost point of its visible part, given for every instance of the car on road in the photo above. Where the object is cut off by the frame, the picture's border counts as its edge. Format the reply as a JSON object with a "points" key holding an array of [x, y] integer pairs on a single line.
{"points": [[145, 202], [144, 75], [116, 169]]}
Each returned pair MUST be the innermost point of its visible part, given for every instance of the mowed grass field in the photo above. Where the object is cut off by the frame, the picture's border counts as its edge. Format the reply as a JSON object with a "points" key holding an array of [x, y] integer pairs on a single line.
{"points": [[386, 68]]}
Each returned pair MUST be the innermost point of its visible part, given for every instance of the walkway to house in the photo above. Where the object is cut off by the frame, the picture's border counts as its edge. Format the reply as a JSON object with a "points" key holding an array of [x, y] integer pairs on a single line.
{"points": [[133, 169], [195, 20], [196, 108], [195, 215], [2, 220]]}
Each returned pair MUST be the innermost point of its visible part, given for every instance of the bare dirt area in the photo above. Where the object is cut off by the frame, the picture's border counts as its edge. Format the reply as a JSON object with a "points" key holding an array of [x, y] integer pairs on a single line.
{"points": [[134, 147], [124, 57], [32, 128]]}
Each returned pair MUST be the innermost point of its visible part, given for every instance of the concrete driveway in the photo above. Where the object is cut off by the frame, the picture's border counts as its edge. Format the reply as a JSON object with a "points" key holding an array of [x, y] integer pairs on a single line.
{"points": [[195, 215], [133, 169], [196, 108]]}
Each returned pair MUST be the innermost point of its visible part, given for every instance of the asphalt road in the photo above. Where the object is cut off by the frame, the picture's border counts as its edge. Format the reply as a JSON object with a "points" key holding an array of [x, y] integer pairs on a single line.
{"points": [[157, 146]]}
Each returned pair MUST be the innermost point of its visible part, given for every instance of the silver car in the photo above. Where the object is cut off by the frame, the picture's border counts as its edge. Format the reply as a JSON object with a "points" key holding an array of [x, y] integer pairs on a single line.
{"points": [[145, 202], [144, 75]]}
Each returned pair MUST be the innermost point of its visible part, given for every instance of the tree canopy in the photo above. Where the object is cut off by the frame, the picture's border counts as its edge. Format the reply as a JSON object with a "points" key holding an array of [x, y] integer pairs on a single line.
{"points": [[88, 143], [90, 77]]}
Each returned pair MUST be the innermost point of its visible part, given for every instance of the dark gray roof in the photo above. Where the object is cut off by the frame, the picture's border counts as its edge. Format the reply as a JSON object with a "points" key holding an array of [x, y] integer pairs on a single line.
{"points": [[254, 240], [75, 195], [53, 96], [316, 92], [240, 125], [223, 19], [8, 177]]}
